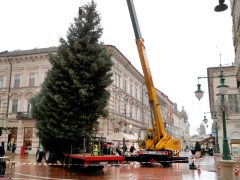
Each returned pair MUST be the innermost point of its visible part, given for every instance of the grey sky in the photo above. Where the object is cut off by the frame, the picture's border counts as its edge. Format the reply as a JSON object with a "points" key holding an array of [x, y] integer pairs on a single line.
{"points": [[180, 36]]}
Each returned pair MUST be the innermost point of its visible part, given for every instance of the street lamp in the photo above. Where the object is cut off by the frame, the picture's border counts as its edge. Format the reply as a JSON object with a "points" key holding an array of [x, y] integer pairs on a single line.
{"points": [[205, 120], [199, 93], [222, 91], [221, 7]]}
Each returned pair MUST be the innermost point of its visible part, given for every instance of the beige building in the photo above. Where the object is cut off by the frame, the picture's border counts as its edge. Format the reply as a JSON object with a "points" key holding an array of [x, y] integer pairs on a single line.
{"points": [[181, 127], [21, 76], [234, 83], [232, 106], [235, 11]]}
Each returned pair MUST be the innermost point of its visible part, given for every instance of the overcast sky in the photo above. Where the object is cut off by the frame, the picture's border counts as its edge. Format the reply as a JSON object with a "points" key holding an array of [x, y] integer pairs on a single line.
{"points": [[182, 39]]}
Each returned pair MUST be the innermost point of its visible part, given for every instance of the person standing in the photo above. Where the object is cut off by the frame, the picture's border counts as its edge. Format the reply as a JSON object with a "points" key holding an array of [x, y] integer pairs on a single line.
{"points": [[2, 162], [14, 147], [132, 149], [2, 150]]}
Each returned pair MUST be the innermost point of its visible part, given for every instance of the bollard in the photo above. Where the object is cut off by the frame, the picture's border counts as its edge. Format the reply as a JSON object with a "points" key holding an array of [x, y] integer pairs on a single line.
{"points": [[22, 151]]}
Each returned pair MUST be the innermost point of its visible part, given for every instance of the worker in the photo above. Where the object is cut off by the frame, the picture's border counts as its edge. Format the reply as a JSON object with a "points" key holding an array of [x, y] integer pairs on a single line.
{"points": [[95, 150]]}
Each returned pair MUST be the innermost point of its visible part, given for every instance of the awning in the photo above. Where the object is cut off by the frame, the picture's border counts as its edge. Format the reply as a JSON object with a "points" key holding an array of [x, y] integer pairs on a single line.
{"points": [[120, 135]]}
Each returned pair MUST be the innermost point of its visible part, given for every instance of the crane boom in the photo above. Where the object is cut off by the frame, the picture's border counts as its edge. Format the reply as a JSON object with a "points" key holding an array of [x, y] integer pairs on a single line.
{"points": [[161, 139], [155, 106]]}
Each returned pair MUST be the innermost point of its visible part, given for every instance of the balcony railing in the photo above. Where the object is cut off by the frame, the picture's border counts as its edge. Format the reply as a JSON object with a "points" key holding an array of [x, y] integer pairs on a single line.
{"points": [[23, 115]]}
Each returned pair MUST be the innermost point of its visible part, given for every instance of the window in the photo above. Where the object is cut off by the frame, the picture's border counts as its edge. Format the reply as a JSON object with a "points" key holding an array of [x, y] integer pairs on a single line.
{"points": [[131, 90], [1, 81], [31, 79], [140, 95], [16, 80], [125, 85], [136, 93], [133, 112], [117, 104], [14, 105], [118, 80], [45, 75], [137, 113], [130, 111], [113, 79], [233, 103], [142, 115], [125, 109], [116, 130], [29, 109]]}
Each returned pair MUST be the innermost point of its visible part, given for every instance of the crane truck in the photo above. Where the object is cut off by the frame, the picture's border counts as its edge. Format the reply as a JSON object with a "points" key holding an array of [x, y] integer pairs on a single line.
{"points": [[154, 143]]}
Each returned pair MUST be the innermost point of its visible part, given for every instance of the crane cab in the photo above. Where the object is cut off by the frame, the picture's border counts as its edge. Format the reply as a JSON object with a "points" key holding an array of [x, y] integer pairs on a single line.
{"points": [[146, 139]]}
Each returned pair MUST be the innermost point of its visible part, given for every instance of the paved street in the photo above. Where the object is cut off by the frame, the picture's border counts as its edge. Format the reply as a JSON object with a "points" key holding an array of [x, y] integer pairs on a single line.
{"points": [[27, 168]]}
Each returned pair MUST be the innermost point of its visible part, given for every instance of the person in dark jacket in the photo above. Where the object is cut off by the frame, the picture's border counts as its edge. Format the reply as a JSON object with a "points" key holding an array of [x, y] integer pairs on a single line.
{"points": [[2, 150], [2, 163], [132, 148]]}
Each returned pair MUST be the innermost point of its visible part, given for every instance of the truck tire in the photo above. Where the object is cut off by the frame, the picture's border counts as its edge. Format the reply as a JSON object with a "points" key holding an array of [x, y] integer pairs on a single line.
{"points": [[94, 168], [166, 164]]}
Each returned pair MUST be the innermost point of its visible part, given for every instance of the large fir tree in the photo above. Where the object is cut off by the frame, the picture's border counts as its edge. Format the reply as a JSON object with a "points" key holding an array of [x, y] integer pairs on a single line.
{"points": [[74, 95]]}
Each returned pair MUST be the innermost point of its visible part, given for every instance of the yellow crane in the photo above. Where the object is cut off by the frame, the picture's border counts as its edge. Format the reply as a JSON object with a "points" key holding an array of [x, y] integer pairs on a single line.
{"points": [[155, 138]]}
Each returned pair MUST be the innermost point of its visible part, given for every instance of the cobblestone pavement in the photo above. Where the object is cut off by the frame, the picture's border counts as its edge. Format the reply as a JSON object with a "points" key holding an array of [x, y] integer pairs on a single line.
{"points": [[27, 168]]}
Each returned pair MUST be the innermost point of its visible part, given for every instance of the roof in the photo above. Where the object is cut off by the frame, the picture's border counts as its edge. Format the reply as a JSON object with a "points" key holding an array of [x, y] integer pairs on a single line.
{"points": [[28, 52], [120, 135]]}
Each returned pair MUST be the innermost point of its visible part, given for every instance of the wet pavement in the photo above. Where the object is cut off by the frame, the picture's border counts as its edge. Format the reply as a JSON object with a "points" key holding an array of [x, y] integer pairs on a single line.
{"points": [[27, 168]]}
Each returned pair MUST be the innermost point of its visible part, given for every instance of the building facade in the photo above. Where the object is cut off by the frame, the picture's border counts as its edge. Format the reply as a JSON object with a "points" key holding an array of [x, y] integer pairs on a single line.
{"points": [[235, 11], [21, 76], [231, 106]]}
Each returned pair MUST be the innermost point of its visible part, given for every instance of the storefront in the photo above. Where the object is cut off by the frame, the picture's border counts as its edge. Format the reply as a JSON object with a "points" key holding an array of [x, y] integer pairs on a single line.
{"points": [[235, 147]]}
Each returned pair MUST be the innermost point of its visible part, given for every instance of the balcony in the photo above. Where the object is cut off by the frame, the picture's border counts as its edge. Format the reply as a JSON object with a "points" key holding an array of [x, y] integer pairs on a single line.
{"points": [[23, 116]]}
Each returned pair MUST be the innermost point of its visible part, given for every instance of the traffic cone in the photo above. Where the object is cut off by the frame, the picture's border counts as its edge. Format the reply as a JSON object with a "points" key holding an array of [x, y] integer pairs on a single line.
{"points": [[22, 151], [237, 171], [198, 169]]}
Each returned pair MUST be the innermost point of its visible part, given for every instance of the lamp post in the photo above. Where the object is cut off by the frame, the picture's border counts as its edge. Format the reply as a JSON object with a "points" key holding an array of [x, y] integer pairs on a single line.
{"points": [[222, 91]]}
